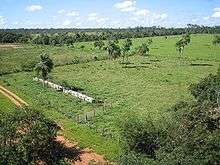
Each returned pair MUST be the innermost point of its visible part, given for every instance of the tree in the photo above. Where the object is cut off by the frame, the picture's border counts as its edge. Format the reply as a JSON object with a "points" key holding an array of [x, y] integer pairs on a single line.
{"points": [[187, 38], [26, 137], [126, 48], [45, 66], [180, 46], [184, 41], [139, 134], [100, 44], [113, 49], [149, 41], [143, 50], [216, 40]]}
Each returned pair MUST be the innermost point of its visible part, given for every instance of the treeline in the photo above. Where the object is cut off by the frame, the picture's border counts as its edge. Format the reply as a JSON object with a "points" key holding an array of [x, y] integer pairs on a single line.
{"points": [[70, 36]]}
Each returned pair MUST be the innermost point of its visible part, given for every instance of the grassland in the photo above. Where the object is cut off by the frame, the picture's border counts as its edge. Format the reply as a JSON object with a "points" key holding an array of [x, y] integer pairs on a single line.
{"points": [[6, 106], [25, 57], [147, 85]]}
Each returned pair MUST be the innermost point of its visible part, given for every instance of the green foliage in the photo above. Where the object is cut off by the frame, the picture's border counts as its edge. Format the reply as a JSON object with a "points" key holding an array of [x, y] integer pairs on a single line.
{"points": [[126, 47], [140, 135], [143, 50], [113, 49], [26, 136], [150, 41], [45, 66], [192, 139], [216, 40], [195, 138], [206, 89], [184, 41], [100, 44]]}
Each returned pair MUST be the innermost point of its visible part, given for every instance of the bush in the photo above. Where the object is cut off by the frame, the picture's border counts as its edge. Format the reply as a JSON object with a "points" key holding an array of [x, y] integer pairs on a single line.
{"points": [[206, 89], [140, 135], [216, 40], [26, 136]]}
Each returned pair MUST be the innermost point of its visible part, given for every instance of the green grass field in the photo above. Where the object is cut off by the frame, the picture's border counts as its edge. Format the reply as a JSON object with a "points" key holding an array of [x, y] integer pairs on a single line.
{"points": [[148, 85]]}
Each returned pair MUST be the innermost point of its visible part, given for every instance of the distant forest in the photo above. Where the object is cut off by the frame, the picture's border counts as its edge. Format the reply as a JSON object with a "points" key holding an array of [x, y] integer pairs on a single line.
{"points": [[70, 36]]}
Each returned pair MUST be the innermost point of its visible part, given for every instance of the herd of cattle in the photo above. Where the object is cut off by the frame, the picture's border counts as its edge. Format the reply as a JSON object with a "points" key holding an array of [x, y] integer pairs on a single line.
{"points": [[65, 90]]}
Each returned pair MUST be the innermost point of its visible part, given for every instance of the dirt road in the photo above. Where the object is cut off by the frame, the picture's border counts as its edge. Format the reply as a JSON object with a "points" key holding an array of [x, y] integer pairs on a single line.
{"points": [[14, 98], [86, 156]]}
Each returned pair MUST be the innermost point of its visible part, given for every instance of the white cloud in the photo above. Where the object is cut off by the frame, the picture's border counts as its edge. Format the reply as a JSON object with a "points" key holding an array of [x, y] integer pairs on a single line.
{"points": [[93, 16], [126, 5], [33, 8], [2, 20], [62, 11], [217, 9], [206, 18], [161, 17], [97, 18], [142, 12], [66, 22], [100, 20], [216, 13], [68, 13], [140, 16]]}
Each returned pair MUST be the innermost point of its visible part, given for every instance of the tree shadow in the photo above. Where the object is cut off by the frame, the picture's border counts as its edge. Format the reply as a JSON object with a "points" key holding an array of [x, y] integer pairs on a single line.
{"points": [[126, 63], [146, 63], [59, 152], [201, 64], [156, 60], [135, 67]]}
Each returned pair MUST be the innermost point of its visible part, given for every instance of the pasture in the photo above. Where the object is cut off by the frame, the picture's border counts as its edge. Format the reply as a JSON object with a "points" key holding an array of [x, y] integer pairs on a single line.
{"points": [[147, 85]]}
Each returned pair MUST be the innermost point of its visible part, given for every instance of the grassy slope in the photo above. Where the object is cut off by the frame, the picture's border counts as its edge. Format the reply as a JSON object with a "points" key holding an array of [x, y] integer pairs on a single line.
{"points": [[62, 109], [14, 60], [6, 105], [149, 86]]}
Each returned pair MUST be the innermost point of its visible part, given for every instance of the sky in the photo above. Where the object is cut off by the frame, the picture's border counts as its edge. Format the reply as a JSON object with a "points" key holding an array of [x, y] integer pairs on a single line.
{"points": [[107, 13]]}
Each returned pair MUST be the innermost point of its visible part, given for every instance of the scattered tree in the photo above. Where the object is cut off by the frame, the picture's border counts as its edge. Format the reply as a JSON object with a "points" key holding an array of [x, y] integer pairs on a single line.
{"points": [[113, 49], [126, 48], [184, 41], [45, 66], [100, 44], [216, 40], [143, 50], [149, 41]]}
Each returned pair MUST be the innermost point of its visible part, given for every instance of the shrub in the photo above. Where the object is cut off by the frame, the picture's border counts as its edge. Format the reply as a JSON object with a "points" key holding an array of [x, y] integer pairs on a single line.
{"points": [[206, 89], [140, 135], [26, 136], [216, 40]]}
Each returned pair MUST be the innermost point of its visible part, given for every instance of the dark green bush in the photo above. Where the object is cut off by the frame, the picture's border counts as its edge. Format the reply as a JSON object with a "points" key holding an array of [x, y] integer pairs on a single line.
{"points": [[206, 89], [26, 136], [140, 135]]}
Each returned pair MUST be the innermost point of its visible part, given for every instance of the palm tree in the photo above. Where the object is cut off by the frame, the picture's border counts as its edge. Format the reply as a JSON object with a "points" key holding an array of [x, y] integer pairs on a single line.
{"points": [[44, 67]]}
